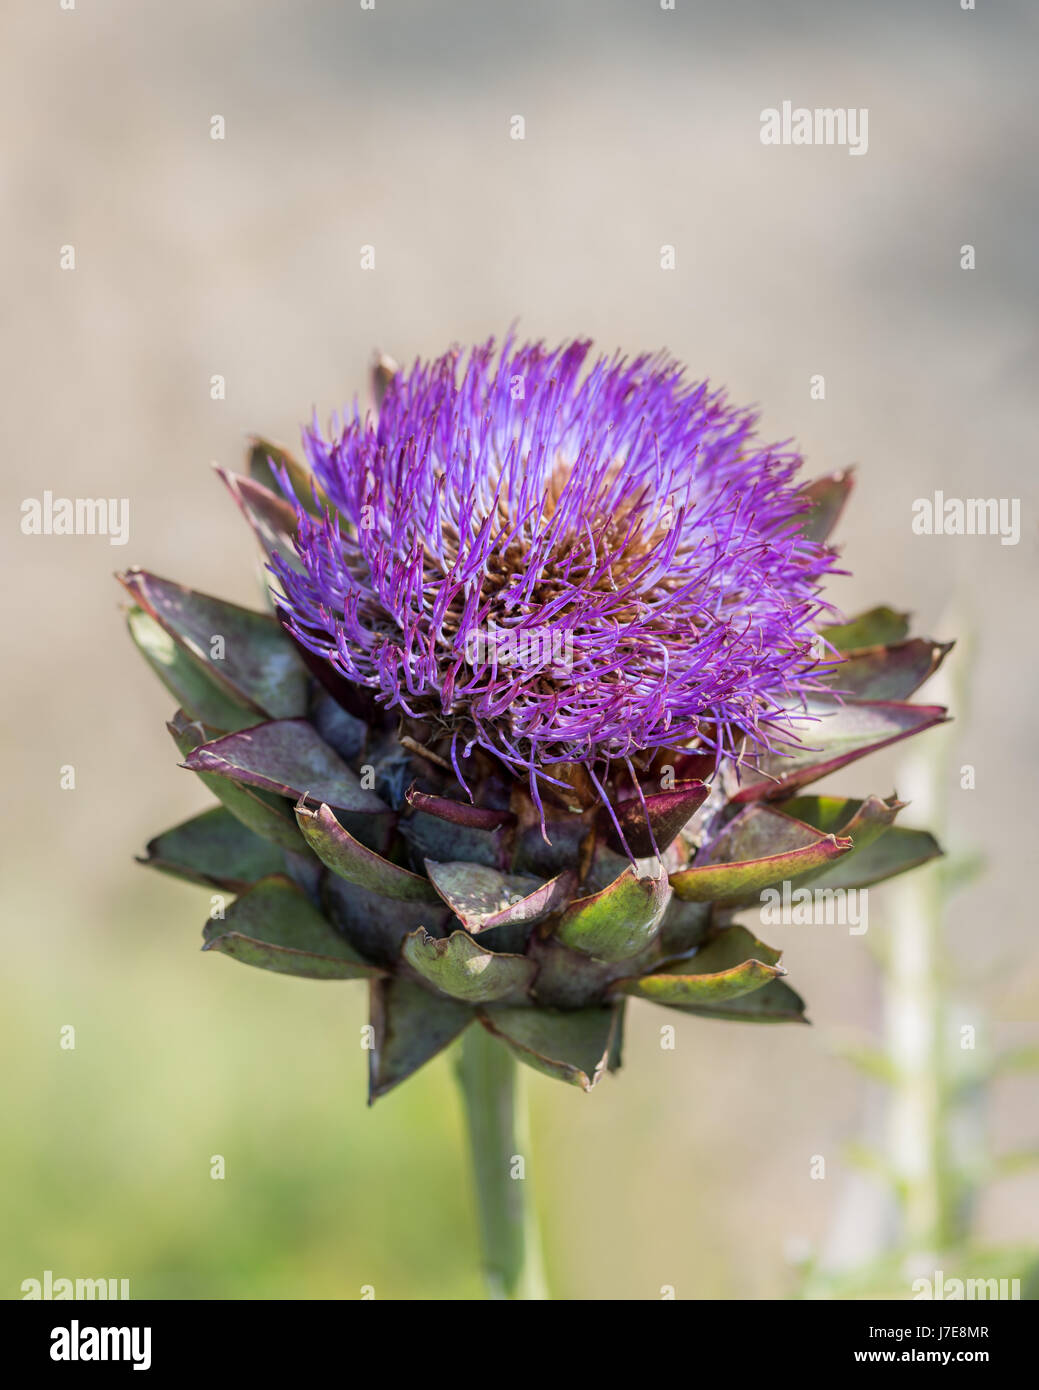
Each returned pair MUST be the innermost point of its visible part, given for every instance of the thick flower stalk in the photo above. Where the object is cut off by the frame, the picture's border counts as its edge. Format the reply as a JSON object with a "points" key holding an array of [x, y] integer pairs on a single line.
{"points": [[530, 724]]}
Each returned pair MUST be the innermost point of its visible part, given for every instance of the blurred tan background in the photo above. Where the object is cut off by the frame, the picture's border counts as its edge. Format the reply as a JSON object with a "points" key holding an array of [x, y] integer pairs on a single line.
{"points": [[241, 258]]}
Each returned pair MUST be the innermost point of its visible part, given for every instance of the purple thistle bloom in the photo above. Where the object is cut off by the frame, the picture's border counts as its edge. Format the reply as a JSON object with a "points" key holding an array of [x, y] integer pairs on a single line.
{"points": [[562, 564]]}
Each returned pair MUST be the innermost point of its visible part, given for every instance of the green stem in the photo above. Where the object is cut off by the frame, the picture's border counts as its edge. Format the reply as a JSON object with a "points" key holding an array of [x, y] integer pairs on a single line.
{"points": [[496, 1112], [927, 1124]]}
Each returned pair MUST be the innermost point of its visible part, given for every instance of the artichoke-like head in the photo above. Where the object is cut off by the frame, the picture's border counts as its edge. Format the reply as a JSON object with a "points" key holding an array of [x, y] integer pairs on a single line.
{"points": [[547, 672]]}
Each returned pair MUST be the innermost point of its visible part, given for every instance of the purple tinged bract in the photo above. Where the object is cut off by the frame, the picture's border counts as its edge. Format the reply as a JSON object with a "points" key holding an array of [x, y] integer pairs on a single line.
{"points": [[562, 560]]}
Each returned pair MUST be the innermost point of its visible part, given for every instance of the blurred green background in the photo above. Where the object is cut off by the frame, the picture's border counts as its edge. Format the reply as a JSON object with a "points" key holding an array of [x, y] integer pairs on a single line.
{"points": [[241, 257]]}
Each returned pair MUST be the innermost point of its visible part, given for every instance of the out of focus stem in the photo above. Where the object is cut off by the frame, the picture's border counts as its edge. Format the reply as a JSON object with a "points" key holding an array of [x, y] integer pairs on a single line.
{"points": [[494, 1099], [926, 1066]]}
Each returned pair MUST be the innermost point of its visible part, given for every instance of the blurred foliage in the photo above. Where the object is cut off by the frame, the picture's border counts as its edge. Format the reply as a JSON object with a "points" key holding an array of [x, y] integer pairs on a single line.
{"points": [[180, 1056], [892, 1277], [936, 1157], [106, 1160]]}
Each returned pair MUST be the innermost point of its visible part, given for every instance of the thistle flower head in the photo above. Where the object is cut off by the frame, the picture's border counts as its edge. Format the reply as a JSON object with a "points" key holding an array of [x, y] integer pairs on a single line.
{"points": [[497, 501], [561, 560]]}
